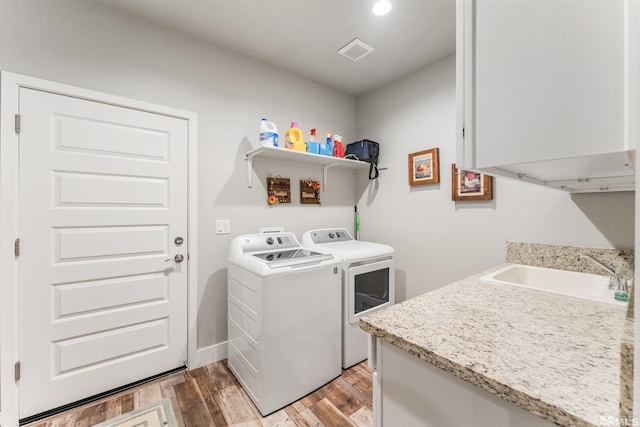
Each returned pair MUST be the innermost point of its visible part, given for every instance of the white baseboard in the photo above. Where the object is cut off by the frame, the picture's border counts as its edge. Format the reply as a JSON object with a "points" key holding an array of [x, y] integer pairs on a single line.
{"points": [[213, 353]]}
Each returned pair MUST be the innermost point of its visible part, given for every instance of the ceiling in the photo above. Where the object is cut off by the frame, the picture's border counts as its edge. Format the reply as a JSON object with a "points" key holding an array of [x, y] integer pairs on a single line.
{"points": [[303, 36]]}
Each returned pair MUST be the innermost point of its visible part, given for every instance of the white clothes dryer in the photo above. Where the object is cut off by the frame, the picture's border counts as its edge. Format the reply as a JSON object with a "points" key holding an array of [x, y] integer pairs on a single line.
{"points": [[368, 283], [284, 318]]}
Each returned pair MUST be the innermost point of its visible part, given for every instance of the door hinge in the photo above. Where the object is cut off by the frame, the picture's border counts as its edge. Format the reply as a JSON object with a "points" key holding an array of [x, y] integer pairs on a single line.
{"points": [[16, 248], [463, 132], [18, 123], [17, 371]]}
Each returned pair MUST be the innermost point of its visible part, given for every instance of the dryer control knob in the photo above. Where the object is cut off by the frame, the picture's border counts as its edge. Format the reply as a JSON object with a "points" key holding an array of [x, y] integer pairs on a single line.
{"points": [[270, 241]]}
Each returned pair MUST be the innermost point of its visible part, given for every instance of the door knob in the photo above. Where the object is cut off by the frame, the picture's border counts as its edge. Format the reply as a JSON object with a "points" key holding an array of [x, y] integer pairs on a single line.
{"points": [[177, 258]]}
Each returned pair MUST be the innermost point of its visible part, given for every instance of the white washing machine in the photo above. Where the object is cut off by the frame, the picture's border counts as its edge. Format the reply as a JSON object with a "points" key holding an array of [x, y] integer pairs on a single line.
{"points": [[284, 318], [368, 283]]}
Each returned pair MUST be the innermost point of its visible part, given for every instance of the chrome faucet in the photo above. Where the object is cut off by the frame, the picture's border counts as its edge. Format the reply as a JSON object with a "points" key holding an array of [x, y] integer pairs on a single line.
{"points": [[615, 279]]}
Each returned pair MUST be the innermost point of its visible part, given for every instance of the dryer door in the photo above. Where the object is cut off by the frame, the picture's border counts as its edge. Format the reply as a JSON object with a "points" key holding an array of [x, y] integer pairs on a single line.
{"points": [[370, 287]]}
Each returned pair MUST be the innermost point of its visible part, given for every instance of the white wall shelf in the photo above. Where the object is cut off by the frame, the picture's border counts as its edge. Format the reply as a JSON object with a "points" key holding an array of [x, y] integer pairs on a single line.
{"points": [[299, 157]]}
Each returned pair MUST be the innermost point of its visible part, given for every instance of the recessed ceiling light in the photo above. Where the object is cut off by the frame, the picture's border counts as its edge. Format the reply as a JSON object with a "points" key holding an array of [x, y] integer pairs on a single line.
{"points": [[381, 7]]}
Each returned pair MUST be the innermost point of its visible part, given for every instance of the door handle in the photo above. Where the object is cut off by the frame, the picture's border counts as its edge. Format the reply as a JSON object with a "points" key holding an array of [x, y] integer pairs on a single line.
{"points": [[177, 258]]}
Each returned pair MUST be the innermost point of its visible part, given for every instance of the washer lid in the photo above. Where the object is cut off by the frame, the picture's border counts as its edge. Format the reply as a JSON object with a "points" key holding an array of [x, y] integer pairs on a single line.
{"points": [[355, 250], [275, 259], [339, 242]]}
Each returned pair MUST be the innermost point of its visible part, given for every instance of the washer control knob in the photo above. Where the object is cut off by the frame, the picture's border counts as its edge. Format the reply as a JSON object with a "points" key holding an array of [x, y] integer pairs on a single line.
{"points": [[331, 235], [270, 241]]}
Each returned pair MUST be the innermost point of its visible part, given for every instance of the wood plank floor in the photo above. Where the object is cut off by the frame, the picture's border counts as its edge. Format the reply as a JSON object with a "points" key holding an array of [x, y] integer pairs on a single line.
{"points": [[211, 396]]}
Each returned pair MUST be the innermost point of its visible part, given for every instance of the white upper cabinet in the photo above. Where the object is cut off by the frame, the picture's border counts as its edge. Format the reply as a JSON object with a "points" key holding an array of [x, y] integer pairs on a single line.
{"points": [[545, 90]]}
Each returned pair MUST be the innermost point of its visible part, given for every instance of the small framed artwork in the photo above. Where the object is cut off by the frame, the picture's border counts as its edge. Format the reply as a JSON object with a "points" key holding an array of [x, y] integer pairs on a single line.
{"points": [[278, 190], [469, 185], [309, 192], [423, 167]]}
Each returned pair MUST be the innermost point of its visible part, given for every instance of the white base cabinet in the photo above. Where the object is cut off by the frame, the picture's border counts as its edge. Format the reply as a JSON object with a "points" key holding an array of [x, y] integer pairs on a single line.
{"points": [[410, 392], [547, 91]]}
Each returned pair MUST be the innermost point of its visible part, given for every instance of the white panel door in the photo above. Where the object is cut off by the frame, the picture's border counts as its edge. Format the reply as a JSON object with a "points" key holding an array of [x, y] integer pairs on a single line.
{"points": [[103, 196]]}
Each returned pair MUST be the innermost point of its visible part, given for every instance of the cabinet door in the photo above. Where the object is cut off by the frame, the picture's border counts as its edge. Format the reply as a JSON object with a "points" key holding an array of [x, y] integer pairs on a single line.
{"points": [[548, 79]]}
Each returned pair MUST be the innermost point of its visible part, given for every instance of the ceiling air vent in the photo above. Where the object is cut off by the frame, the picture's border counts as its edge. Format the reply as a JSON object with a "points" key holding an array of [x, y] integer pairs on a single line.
{"points": [[355, 50]]}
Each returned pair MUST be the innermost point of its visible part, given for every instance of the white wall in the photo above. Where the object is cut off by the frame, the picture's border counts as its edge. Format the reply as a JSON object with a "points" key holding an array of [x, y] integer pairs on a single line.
{"points": [[86, 44], [89, 45], [438, 240]]}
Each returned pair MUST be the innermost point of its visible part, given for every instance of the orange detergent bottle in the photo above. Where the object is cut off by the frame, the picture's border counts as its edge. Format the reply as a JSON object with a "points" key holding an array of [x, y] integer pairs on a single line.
{"points": [[294, 139]]}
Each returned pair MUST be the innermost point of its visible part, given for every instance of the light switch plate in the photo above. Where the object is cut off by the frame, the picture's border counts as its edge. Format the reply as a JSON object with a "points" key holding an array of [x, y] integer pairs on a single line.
{"points": [[223, 226]]}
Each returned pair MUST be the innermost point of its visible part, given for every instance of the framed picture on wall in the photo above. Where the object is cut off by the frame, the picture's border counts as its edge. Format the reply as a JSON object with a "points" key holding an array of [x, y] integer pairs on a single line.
{"points": [[423, 167], [309, 192], [278, 190], [470, 185]]}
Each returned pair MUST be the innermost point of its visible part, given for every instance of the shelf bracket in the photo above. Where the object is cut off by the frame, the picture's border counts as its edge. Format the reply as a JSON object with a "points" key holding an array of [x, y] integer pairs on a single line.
{"points": [[249, 160], [325, 168]]}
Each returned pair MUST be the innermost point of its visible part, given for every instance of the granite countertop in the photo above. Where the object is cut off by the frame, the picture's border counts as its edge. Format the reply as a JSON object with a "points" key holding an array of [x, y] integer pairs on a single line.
{"points": [[554, 355]]}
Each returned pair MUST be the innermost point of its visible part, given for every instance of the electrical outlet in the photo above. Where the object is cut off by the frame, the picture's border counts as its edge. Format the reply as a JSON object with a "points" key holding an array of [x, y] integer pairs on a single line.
{"points": [[223, 226]]}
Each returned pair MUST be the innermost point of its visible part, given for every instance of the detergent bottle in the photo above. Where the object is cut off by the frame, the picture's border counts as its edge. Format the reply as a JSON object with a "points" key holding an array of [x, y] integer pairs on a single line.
{"points": [[313, 146], [338, 147], [326, 149], [294, 139], [268, 133]]}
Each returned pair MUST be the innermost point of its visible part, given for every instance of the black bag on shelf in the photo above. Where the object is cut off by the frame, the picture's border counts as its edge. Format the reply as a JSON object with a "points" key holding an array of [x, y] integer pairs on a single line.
{"points": [[365, 151]]}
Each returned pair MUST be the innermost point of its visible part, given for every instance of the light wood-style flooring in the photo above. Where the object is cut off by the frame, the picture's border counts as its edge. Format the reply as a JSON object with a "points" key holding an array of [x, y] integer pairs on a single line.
{"points": [[211, 396]]}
